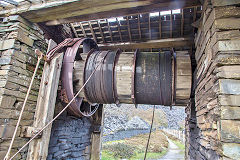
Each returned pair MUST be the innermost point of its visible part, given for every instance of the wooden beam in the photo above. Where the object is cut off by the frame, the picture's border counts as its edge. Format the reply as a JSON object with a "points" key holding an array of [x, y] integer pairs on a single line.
{"points": [[92, 31], [171, 24], [98, 118], [160, 26], [163, 43], [139, 28], [83, 31], [38, 148], [129, 30], [119, 30], [74, 31], [194, 16], [67, 11], [109, 30], [182, 22], [149, 26], [101, 32]]}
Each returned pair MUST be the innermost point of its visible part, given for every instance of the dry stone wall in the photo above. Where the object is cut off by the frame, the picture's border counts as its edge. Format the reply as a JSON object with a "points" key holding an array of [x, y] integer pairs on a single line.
{"points": [[70, 138], [18, 40], [212, 124]]}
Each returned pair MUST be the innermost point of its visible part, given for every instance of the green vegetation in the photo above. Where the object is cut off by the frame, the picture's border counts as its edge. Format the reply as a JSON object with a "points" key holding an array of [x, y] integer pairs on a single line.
{"points": [[120, 150], [179, 144], [133, 148], [150, 155], [138, 156], [175, 140]]}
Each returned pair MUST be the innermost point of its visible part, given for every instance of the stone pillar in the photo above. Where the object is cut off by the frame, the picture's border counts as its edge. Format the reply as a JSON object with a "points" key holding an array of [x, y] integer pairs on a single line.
{"points": [[18, 40], [215, 134]]}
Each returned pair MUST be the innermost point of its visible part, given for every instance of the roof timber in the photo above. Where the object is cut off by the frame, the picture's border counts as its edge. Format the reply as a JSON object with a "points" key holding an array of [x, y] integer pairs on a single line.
{"points": [[129, 30], [66, 11], [141, 27], [163, 43], [119, 30]]}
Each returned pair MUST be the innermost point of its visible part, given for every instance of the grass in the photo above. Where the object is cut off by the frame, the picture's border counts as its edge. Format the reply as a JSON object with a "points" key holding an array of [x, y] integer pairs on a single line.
{"points": [[138, 156], [150, 155], [107, 155], [175, 140], [179, 144], [121, 149]]}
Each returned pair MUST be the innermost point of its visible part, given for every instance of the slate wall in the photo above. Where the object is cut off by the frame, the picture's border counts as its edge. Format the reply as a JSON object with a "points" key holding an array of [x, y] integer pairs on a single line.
{"points": [[18, 40], [212, 124], [70, 138]]}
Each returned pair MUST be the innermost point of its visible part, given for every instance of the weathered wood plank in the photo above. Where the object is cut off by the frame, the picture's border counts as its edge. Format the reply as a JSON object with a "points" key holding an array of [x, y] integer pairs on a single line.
{"points": [[78, 74], [123, 71], [38, 148], [183, 76], [163, 43], [83, 10], [98, 118]]}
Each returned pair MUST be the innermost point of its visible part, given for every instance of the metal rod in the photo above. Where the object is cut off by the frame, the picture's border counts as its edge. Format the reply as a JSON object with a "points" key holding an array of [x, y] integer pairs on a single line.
{"points": [[149, 136]]}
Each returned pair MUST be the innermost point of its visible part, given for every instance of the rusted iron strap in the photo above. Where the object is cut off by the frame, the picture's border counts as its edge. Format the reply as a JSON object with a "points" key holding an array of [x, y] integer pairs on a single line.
{"points": [[100, 88], [60, 46], [68, 43], [91, 58], [174, 77]]}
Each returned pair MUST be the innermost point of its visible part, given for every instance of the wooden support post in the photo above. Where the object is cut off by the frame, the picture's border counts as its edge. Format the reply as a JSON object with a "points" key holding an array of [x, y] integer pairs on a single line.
{"points": [[194, 16], [182, 23], [171, 25], [100, 30], [149, 26], [83, 31], [109, 30], [129, 30], [119, 30], [74, 31], [160, 26], [38, 148], [139, 28], [97, 134], [92, 31]]}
